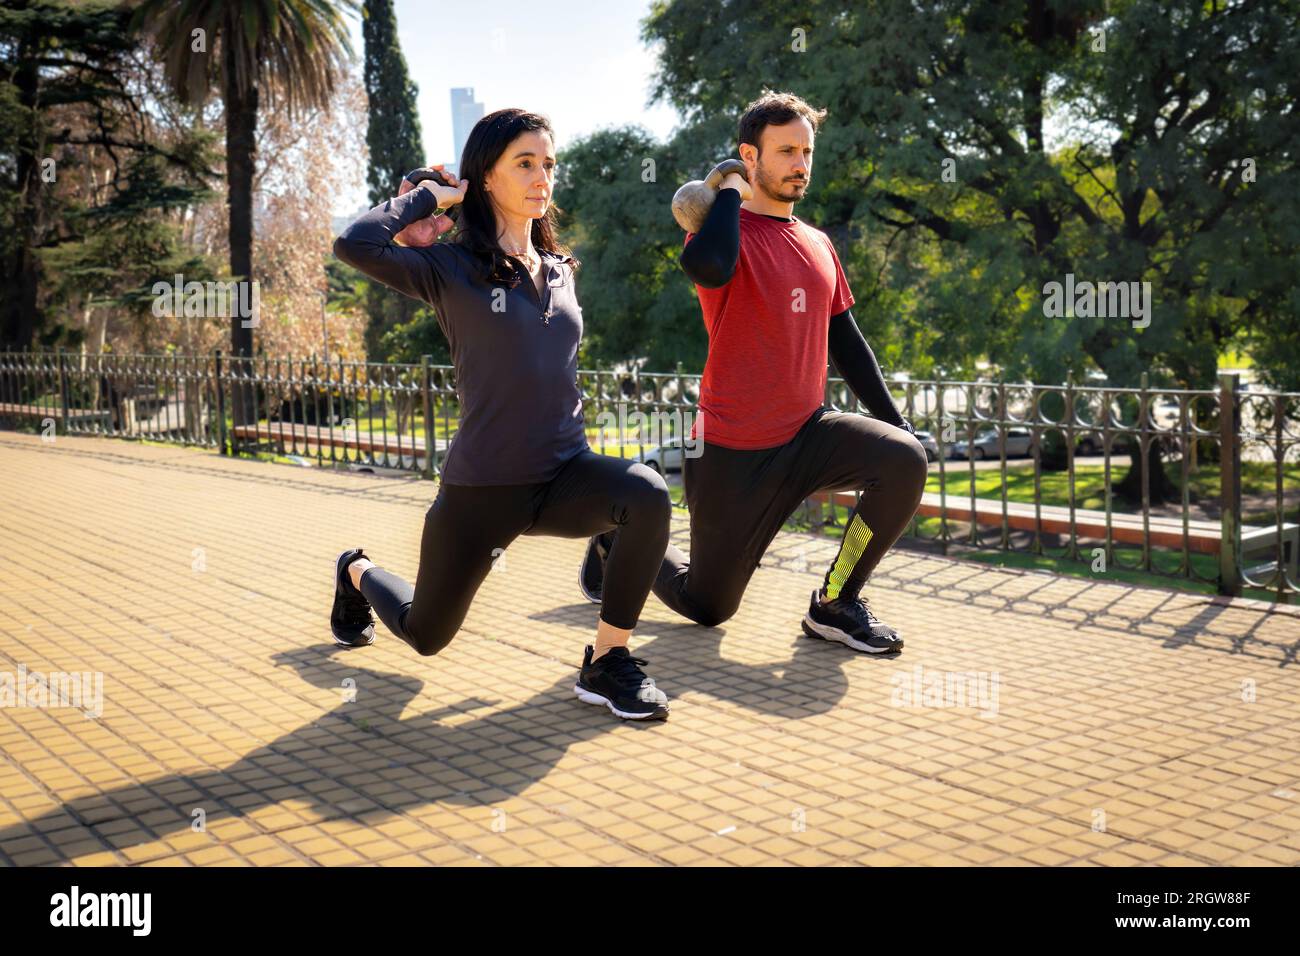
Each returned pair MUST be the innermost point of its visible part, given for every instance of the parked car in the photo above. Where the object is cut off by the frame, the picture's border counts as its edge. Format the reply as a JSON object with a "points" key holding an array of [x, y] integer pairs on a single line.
{"points": [[1089, 443], [1018, 443], [664, 457], [929, 444]]}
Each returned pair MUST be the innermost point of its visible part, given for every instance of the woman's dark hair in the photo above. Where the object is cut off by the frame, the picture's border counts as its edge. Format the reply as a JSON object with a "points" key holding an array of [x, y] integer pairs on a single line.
{"points": [[477, 221]]}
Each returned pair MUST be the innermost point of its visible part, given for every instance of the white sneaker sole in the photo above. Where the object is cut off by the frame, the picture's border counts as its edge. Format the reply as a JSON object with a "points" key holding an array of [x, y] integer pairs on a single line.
{"points": [[828, 633], [591, 697], [342, 643], [587, 594]]}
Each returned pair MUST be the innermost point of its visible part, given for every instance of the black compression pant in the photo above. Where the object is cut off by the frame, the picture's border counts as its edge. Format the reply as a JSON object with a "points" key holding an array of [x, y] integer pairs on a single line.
{"points": [[739, 500], [468, 527]]}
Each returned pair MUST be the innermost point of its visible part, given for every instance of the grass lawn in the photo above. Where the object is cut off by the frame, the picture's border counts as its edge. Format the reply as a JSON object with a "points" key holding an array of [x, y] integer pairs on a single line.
{"points": [[1257, 478]]}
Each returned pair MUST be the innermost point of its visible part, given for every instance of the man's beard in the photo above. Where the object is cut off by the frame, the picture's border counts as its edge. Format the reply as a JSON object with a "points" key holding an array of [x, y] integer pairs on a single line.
{"points": [[780, 190]]}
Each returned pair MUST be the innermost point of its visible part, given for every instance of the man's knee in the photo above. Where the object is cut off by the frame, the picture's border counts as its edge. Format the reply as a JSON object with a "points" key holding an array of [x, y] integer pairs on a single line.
{"points": [[897, 457], [913, 463], [896, 460]]}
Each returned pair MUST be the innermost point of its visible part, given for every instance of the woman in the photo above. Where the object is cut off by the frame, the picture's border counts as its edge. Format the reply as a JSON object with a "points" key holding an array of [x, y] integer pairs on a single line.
{"points": [[503, 291]]}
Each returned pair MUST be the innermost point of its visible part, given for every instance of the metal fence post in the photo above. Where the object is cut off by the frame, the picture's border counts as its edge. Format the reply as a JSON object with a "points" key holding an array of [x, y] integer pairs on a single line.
{"points": [[426, 386], [1229, 484], [63, 391], [221, 408]]}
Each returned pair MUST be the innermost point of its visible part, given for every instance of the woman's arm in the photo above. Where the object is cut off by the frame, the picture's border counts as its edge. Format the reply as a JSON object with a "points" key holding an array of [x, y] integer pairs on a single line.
{"points": [[367, 245], [710, 257]]}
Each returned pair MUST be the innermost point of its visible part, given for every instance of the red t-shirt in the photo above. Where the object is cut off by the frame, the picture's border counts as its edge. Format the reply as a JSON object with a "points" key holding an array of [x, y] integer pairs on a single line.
{"points": [[766, 369]]}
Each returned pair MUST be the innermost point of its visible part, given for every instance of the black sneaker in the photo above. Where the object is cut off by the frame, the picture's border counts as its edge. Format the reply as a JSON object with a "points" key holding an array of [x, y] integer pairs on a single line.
{"points": [[850, 622], [350, 619], [617, 681], [591, 576]]}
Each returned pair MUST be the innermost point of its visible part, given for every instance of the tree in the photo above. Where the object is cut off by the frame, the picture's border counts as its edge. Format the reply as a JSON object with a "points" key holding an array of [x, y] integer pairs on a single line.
{"points": [[393, 126], [92, 179], [614, 192], [393, 137], [290, 50], [301, 163]]}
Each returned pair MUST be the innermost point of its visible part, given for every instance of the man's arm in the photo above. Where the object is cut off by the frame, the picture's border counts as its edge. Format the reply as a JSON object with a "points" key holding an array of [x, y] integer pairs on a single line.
{"points": [[857, 365], [710, 257]]}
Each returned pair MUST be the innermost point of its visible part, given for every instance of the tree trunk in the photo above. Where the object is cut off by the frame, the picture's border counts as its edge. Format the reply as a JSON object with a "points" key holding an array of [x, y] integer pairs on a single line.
{"points": [[241, 156], [1162, 490], [19, 317]]}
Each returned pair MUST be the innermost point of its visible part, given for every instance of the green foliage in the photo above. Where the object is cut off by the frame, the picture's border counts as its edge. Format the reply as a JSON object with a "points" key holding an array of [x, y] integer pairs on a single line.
{"points": [[408, 341], [393, 130], [615, 190], [89, 183], [1151, 182], [394, 141], [290, 51]]}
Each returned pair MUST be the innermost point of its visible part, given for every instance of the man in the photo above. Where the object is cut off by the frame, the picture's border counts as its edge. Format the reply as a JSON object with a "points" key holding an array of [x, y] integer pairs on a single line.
{"points": [[775, 302]]}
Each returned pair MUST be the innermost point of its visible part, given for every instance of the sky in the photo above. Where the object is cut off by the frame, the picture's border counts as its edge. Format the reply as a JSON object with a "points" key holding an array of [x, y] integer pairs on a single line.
{"points": [[582, 64]]}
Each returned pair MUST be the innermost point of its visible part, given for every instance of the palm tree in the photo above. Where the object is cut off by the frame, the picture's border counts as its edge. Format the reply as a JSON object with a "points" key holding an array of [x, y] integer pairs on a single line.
{"points": [[293, 51]]}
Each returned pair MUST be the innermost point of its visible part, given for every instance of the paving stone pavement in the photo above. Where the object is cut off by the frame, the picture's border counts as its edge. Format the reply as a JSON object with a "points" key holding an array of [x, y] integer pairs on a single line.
{"points": [[1114, 725]]}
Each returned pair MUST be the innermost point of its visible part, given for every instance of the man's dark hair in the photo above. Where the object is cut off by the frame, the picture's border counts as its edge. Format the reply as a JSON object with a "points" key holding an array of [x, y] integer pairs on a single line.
{"points": [[775, 109]]}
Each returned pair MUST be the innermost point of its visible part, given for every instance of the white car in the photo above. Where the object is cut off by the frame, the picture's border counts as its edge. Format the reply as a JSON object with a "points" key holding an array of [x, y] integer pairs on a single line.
{"points": [[663, 458], [1019, 442]]}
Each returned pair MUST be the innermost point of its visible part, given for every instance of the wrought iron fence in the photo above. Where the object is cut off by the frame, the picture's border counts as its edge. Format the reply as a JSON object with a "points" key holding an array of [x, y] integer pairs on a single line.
{"points": [[1209, 491], [1223, 445]]}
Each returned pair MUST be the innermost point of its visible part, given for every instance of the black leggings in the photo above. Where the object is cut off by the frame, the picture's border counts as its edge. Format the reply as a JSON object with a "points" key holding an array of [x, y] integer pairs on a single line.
{"points": [[739, 500], [468, 528]]}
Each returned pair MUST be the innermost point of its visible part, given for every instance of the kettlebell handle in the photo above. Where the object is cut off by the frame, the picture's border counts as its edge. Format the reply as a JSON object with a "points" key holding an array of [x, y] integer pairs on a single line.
{"points": [[417, 176]]}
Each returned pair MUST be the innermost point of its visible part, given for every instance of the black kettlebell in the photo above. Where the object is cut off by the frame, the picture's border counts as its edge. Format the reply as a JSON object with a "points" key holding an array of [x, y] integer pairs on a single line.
{"points": [[417, 176]]}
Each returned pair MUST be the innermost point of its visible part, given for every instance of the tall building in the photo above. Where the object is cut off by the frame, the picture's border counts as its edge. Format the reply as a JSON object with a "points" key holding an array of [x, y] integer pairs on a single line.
{"points": [[465, 112]]}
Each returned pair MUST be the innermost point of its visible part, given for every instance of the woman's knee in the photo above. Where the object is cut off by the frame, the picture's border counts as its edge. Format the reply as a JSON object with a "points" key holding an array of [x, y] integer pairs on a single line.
{"points": [[429, 644], [713, 611], [429, 637], [646, 496]]}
